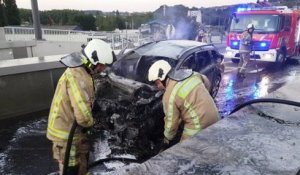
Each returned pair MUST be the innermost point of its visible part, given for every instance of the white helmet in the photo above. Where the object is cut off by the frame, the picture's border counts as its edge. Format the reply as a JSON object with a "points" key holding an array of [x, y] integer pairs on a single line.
{"points": [[159, 70], [250, 26], [98, 51]]}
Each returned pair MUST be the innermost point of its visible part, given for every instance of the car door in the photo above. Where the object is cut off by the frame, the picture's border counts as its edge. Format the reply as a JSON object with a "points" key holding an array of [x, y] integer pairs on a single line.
{"points": [[205, 64]]}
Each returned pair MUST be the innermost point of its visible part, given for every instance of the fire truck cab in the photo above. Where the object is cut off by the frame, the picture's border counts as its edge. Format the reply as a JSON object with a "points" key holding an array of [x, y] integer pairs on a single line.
{"points": [[276, 35]]}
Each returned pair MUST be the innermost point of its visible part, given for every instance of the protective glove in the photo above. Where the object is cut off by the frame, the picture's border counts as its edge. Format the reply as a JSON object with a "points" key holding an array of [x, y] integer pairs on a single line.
{"points": [[165, 145], [86, 131], [166, 141]]}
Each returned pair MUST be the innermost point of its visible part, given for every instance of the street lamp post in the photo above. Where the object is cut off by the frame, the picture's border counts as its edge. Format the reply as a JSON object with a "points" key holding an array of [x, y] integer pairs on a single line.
{"points": [[126, 24], [36, 20]]}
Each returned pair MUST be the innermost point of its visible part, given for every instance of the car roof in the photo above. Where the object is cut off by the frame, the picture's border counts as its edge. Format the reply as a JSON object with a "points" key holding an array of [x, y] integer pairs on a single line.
{"points": [[167, 48]]}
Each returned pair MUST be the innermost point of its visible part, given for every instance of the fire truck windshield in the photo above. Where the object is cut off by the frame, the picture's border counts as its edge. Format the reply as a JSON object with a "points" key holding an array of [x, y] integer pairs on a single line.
{"points": [[262, 23]]}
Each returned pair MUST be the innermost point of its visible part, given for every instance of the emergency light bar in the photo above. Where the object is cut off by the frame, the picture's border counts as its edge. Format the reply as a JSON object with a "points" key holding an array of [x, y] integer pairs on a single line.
{"points": [[242, 9], [258, 45]]}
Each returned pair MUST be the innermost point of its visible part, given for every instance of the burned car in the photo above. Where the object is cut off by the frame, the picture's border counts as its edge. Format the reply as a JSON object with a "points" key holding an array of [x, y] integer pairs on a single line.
{"points": [[130, 108], [181, 54]]}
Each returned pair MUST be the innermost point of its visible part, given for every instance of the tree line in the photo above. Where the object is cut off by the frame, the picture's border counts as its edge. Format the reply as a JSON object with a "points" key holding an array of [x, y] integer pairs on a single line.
{"points": [[9, 13], [108, 21], [87, 20]]}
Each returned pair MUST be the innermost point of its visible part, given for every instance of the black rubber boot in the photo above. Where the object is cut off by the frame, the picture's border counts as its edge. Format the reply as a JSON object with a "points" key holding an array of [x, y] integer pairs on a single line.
{"points": [[241, 75], [73, 170]]}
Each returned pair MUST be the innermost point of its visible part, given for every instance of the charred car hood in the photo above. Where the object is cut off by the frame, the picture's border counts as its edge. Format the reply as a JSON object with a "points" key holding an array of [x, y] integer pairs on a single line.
{"points": [[132, 113]]}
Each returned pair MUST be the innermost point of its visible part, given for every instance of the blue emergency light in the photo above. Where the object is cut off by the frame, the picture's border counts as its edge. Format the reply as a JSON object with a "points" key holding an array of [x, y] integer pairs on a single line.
{"points": [[235, 43], [262, 44], [257, 45], [241, 9]]}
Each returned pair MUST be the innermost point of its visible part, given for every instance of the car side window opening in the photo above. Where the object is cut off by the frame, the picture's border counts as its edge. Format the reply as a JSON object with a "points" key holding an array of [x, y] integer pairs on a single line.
{"points": [[203, 58], [189, 63], [126, 67], [214, 55]]}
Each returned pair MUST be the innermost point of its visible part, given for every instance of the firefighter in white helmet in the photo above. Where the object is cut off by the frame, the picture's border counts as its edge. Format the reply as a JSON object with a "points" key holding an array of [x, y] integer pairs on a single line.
{"points": [[73, 100], [186, 99], [245, 49]]}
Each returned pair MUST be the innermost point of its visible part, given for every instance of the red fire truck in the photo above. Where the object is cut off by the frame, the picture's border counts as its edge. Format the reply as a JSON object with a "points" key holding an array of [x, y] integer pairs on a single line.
{"points": [[276, 36]]}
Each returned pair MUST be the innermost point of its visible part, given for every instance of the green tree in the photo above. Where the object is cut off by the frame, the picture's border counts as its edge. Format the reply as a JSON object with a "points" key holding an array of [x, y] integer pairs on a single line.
{"points": [[86, 22], [25, 15], [2, 15], [119, 21], [43, 18], [12, 12], [136, 19], [60, 17]]}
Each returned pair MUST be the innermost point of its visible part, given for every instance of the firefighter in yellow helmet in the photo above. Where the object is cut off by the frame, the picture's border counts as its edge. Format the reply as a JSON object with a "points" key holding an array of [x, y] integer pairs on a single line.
{"points": [[186, 99], [73, 100]]}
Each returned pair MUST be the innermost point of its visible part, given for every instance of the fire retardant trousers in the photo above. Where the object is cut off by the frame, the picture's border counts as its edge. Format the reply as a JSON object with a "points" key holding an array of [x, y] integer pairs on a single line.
{"points": [[78, 160], [244, 59]]}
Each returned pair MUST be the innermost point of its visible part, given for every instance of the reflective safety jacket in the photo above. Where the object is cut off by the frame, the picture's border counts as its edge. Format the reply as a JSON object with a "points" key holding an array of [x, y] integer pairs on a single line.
{"points": [[245, 42], [72, 101], [189, 102]]}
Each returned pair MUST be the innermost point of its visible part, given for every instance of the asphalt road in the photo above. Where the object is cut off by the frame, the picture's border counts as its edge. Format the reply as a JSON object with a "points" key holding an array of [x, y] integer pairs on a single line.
{"points": [[24, 148], [261, 79]]}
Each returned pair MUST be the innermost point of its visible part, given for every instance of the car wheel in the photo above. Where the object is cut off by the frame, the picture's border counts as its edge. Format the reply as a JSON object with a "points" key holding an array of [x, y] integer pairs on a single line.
{"points": [[215, 86], [236, 61]]}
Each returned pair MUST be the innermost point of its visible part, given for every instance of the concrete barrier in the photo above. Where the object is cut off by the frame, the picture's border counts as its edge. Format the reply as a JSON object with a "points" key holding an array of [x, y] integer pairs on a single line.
{"points": [[23, 49], [48, 48], [16, 49], [27, 85]]}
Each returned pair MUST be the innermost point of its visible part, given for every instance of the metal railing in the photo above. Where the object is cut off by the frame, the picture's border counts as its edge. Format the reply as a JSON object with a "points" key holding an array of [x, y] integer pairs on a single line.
{"points": [[118, 40]]}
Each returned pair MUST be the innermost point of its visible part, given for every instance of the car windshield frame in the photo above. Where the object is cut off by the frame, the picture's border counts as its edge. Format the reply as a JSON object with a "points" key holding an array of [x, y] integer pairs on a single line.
{"points": [[167, 48], [264, 23]]}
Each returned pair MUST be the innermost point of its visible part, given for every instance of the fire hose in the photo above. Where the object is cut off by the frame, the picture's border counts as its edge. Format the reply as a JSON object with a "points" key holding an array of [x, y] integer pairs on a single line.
{"points": [[265, 100]]}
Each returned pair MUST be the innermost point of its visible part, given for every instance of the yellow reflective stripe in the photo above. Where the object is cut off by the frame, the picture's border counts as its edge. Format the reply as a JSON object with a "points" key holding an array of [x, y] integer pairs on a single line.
{"points": [[56, 102], [182, 89], [188, 86], [190, 132], [168, 135], [61, 134], [58, 133], [72, 158], [78, 98], [193, 115], [54, 113], [171, 106]]}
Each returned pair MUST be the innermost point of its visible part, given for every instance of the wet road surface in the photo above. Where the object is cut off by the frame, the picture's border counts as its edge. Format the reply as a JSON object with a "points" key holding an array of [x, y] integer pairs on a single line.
{"points": [[24, 148], [261, 79]]}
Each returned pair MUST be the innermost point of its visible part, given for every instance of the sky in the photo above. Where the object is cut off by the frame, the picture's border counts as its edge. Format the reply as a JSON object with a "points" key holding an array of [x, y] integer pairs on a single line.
{"points": [[123, 5]]}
